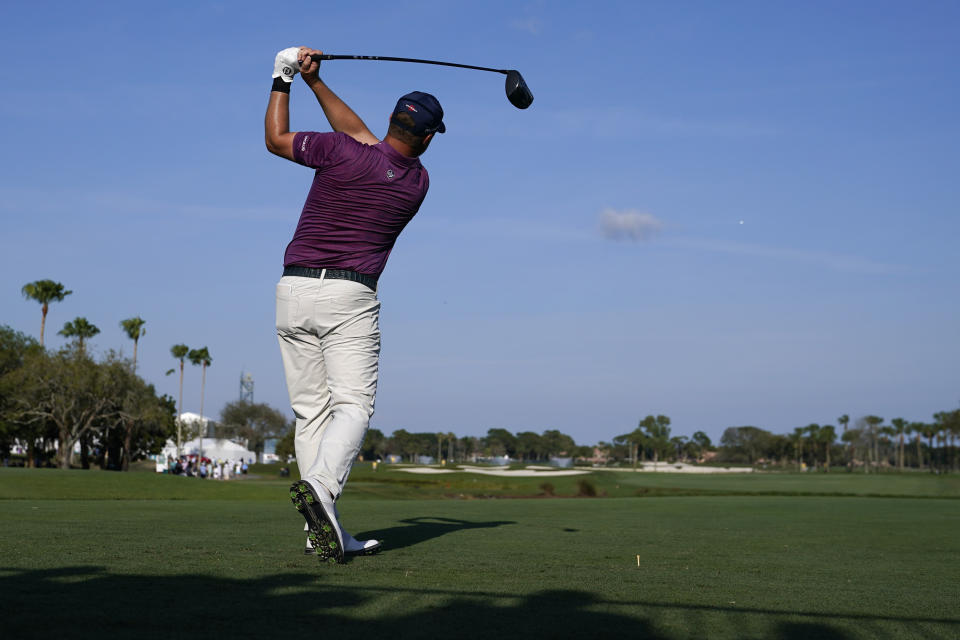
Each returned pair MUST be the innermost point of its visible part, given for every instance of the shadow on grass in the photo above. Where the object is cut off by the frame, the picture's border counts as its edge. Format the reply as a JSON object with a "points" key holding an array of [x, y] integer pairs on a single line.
{"points": [[89, 602], [79, 602], [417, 530]]}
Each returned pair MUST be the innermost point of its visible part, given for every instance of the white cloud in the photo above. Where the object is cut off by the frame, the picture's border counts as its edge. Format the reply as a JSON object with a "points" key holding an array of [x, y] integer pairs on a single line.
{"points": [[531, 25], [629, 224]]}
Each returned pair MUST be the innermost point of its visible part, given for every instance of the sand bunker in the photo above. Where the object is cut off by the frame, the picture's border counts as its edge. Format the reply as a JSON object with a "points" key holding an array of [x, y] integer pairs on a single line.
{"points": [[538, 471], [529, 472], [676, 467]]}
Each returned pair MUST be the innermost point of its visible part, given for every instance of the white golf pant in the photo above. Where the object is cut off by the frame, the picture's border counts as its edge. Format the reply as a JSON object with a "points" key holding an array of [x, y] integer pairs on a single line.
{"points": [[329, 335]]}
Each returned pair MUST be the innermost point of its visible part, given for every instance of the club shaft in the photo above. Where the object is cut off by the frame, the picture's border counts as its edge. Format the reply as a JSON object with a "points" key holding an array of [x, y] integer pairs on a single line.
{"points": [[327, 56]]}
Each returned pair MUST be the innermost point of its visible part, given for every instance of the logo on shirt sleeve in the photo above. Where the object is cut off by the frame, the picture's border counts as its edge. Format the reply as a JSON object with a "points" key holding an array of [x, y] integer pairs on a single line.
{"points": [[303, 143], [390, 174]]}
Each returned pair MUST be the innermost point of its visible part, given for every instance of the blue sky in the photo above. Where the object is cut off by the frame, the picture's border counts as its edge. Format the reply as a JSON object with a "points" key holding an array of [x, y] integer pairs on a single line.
{"points": [[575, 266]]}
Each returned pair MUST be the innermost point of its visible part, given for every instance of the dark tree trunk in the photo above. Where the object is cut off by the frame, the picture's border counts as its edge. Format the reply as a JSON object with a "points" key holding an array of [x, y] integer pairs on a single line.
{"points": [[64, 450], [127, 440], [103, 456], [84, 453]]}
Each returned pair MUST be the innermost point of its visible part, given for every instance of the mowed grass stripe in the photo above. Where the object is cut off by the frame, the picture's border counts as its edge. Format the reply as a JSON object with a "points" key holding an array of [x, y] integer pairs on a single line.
{"points": [[720, 567]]}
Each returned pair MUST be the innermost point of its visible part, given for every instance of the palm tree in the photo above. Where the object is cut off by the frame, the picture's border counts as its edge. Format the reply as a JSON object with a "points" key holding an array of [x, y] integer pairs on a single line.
{"points": [[44, 292], [901, 426], [954, 432], [451, 440], [887, 441], [916, 429], [440, 436], [930, 430], [179, 351], [798, 434], [814, 436], [80, 329], [827, 435], [852, 437], [201, 357], [949, 425], [134, 330], [873, 424], [844, 420]]}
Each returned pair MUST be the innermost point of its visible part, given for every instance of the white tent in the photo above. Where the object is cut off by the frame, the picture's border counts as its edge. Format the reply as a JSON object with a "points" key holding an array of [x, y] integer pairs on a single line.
{"points": [[213, 448]]}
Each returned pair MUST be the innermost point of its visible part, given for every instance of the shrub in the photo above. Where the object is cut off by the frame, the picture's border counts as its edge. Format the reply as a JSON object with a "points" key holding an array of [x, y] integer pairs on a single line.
{"points": [[586, 488]]}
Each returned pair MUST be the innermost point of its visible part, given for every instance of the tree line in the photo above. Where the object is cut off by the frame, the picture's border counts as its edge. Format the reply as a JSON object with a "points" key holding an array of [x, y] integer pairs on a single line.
{"points": [[869, 445], [51, 402], [56, 400]]}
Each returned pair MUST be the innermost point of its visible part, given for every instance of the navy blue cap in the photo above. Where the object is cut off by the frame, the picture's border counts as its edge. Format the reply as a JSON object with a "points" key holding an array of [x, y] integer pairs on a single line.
{"points": [[425, 110]]}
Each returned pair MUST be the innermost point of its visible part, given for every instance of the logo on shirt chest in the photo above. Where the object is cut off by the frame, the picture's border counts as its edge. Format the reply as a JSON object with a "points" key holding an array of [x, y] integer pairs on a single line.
{"points": [[390, 174]]}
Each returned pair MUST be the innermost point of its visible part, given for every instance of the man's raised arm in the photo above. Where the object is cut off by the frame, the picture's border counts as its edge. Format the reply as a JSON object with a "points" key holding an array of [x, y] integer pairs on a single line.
{"points": [[276, 124], [339, 115], [277, 134]]}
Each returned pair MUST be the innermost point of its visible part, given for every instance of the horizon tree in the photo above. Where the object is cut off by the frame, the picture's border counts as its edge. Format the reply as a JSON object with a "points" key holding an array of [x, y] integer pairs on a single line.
{"points": [[853, 437], [954, 430], [844, 420], [179, 351], [44, 292], [133, 327], [813, 435], [798, 446], [900, 425], [887, 434], [916, 428], [873, 431], [679, 443], [80, 329], [256, 422], [529, 445], [451, 449], [17, 348], [942, 422], [657, 430], [202, 358], [68, 391], [827, 436], [634, 442]]}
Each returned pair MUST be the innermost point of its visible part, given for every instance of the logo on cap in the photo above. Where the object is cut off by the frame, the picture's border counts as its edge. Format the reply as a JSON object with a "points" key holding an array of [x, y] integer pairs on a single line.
{"points": [[410, 107]]}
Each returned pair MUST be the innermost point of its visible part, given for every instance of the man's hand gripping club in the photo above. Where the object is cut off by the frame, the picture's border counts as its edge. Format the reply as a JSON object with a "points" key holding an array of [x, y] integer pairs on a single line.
{"points": [[287, 64]]}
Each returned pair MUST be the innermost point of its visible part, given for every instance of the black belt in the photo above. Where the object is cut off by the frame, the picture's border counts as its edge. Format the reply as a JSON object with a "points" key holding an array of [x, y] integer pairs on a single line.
{"points": [[335, 274]]}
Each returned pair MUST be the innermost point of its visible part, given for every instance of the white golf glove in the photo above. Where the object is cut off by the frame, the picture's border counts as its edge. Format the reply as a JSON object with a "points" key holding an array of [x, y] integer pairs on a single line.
{"points": [[285, 65]]}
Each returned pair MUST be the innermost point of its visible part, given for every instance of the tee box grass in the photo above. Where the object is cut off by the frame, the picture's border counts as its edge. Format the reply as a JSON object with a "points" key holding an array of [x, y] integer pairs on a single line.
{"points": [[98, 553]]}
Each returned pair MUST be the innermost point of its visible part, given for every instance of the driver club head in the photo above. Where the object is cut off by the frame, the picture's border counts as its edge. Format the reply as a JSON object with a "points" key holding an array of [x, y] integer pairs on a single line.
{"points": [[517, 92]]}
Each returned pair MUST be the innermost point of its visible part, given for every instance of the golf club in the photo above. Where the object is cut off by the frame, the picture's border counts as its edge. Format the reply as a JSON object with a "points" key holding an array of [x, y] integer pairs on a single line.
{"points": [[517, 91]]}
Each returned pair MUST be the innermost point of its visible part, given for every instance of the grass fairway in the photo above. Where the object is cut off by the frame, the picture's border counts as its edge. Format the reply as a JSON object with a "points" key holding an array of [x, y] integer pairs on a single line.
{"points": [[95, 553]]}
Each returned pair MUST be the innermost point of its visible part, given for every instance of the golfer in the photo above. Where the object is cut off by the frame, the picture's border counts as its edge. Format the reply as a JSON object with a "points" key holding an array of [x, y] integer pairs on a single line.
{"points": [[364, 193]]}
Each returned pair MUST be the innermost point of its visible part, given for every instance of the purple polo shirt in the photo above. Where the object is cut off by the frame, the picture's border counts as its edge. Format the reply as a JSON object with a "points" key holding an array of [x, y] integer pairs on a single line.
{"points": [[361, 199]]}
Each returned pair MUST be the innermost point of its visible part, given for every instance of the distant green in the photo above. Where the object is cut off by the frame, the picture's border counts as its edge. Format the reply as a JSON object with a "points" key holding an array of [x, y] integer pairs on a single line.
{"points": [[390, 481]]}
